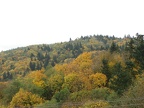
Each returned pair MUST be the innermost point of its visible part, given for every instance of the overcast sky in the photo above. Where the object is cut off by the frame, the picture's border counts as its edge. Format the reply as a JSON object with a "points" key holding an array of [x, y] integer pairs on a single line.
{"points": [[27, 22]]}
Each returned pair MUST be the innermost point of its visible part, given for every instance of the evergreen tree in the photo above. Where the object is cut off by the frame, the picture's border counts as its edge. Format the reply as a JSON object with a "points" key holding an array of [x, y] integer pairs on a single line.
{"points": [[113, 47], [39, 66], [139, 53], [55, 58], [70, 40], [120, 80], [52, 63], [32, 65], [47, 60], [8, 74], [4, 76], [130, 47], [91, 48], [105, 69], [136, 50], [32, 56], [11, 76], [40, 56]]}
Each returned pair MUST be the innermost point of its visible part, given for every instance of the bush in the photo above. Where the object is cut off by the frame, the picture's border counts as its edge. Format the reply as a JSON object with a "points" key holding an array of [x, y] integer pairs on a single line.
{"points": [[100, 93], [62, 95], [97, 104], [80, 96], [48, 104]]}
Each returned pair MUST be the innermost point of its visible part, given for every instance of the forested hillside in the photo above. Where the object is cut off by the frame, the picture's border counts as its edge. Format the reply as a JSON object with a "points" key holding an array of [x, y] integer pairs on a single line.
{"points": [[90, 71]]}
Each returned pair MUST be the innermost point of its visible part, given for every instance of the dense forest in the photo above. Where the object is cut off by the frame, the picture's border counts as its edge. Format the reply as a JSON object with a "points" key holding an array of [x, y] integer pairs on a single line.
{"points": [[89, 72]]}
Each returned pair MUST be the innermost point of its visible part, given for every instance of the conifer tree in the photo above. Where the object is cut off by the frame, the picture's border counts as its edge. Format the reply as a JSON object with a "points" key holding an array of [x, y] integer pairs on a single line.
{"points": [[105, 69], [113, 47]]}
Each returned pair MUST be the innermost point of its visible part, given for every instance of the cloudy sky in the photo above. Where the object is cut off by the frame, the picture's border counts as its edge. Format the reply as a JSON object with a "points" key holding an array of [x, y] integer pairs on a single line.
{"points": [[27, 22]]}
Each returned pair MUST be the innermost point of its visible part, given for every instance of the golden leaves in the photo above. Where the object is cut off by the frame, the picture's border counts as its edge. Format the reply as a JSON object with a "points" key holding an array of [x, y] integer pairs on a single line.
{"points": [[25, 99], [38, 77], [98, 80], [82, 64]]}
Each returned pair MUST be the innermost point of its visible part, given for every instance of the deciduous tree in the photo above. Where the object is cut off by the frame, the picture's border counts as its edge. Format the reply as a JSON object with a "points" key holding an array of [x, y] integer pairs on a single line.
{"points": [[25, 99]]}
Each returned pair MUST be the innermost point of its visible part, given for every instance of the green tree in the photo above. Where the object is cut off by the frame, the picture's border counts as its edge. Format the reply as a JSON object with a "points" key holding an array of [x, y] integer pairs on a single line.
{"points": [[28, 85], [113, 47], [134, 95], [47, 60], [105, 69], [62, 95], [130, 47], [40, 56], [32, 65], [11, 89], [136, 50], [2, 87], [4, 76], [120, 80], [139, 53], [130, 69]]}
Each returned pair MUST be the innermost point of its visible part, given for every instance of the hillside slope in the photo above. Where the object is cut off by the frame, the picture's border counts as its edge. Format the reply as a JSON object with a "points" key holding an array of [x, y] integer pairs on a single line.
{"points": [[91, 71], [20, 61]]}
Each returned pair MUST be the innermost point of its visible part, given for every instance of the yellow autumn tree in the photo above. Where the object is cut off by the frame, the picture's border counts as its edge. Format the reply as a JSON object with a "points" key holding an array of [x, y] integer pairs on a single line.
{"points": [[61, 68], [38, 78], [97, 80], [75, 82], [55, 82], [25, 99], [82, 64]]}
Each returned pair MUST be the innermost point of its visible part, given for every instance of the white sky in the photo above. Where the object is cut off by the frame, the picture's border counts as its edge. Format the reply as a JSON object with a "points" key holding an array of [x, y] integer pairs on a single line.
{"points": [[27, 22]]}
